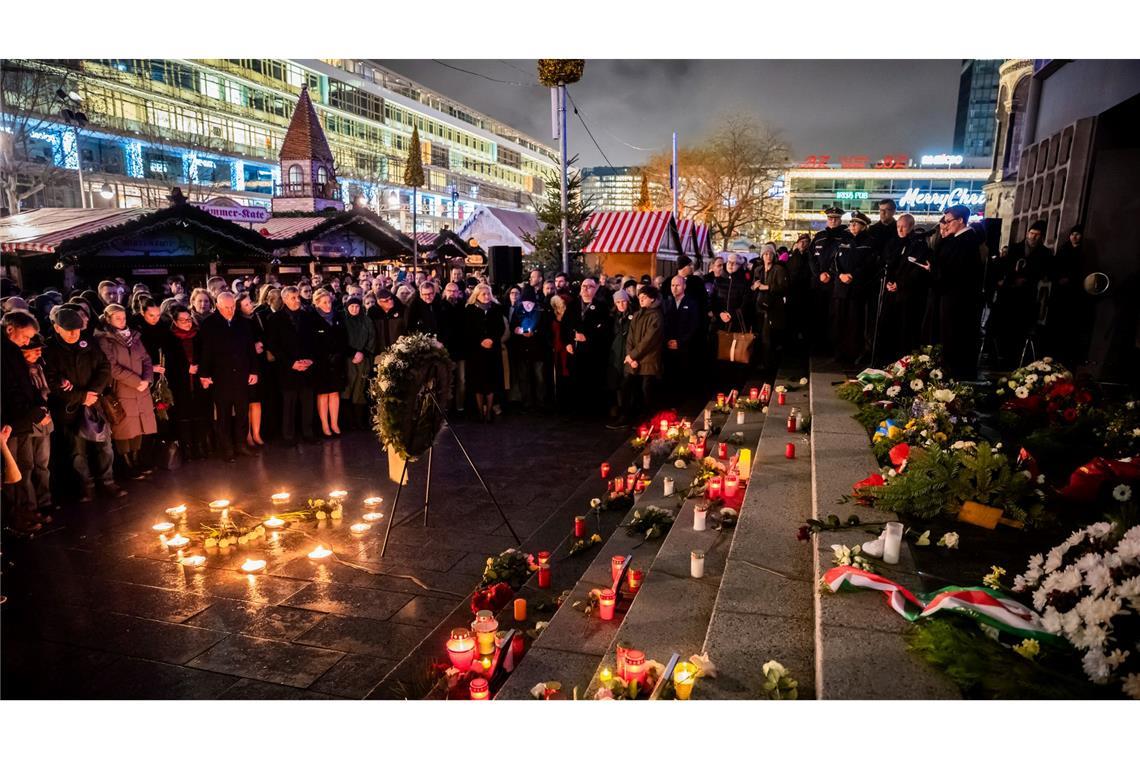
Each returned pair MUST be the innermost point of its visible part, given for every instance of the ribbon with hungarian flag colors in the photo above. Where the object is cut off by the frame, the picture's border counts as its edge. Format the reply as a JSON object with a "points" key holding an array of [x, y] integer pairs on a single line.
{"points": [[985, 605]]}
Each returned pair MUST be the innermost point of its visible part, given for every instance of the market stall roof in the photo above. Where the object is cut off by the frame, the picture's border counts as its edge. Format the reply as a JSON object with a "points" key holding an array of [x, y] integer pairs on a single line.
{"points": [[449, 245], [701, 239], [288, 232], [71, 231], [425, 239], [630, 231], [685, 232]]}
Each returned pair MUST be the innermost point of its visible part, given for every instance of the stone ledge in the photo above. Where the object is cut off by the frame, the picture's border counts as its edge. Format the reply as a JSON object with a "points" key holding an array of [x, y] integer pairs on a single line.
{"points": [[859, 650]]}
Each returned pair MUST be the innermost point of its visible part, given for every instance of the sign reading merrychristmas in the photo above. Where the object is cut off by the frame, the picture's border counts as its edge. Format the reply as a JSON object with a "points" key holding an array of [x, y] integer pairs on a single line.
{"points": [[916, 197]]}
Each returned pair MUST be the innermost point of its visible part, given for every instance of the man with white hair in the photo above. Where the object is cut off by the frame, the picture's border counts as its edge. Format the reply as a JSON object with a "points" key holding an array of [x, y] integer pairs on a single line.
{"points": [[228, 364], [683, 320]]}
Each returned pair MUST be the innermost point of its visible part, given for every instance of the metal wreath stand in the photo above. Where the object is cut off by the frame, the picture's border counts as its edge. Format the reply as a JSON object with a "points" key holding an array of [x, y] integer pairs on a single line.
{"points": [[427, 403]]}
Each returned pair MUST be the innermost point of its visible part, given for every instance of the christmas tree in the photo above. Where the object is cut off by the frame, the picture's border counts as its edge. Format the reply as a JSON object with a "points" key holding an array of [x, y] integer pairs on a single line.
{"points": [[547, 241], [414, 171], [643, 203]]}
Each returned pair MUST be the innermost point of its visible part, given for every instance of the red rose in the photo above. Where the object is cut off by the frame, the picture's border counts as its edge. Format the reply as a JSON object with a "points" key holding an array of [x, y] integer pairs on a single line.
{"points": [[803, 533], [1070, 415], [1084, 397], [1061, 388], [492, 598]]}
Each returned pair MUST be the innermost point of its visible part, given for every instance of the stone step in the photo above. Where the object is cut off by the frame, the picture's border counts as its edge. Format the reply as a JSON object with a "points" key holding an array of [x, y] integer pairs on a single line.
{"points": [[860, 652], [573, 647], [763, 608]]}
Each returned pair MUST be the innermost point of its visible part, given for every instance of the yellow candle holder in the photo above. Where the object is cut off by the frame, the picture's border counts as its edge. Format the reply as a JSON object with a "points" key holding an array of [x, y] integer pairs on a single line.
{"points": [[684, 676]]}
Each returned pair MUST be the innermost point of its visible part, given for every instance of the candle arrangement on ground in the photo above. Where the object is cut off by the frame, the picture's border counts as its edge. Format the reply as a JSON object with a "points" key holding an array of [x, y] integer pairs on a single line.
{"points": [[635, 676]]}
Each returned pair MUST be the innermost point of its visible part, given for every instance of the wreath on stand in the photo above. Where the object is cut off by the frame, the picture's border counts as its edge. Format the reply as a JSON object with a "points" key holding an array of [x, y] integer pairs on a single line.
{"points": [[406, 420]]}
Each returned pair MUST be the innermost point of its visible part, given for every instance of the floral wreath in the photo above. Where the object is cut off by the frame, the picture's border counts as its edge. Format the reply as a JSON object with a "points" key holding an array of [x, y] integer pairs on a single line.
{"points": [[405, 419]]}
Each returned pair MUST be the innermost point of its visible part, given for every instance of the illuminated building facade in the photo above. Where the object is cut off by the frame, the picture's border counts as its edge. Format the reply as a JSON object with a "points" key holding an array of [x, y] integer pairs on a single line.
{"points": [[215, 127], [614, 188]]}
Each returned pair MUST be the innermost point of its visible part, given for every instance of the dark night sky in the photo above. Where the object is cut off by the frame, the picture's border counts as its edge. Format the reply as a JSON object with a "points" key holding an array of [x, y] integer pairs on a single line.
{"points": [[834, 107]]}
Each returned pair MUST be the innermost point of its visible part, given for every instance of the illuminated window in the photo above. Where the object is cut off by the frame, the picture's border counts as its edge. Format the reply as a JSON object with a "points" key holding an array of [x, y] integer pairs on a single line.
{"points": [[296, 175]]}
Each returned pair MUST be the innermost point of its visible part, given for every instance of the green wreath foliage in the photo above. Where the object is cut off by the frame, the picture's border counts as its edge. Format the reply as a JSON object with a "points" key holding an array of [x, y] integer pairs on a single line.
{"points": [[405, 419]]}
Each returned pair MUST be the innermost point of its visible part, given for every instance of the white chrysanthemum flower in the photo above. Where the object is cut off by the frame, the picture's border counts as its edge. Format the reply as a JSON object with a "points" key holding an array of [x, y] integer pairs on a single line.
{"points": [[1047, 360], [1071, 622], [1132, 534], [1131, 685], [1097, 611], [893, 391], [1089, 561], [1129, 589], [1068, 580], [1096, 667], [1021, 391], [1098, 579], [924, 358], [1051, 620], [949, 540], [1122, 492], [1099, 529], [1090, 637], [1128, 551], [916, 384], [1116, 659], [1053, 559], [935, 374], [1031, 378]]}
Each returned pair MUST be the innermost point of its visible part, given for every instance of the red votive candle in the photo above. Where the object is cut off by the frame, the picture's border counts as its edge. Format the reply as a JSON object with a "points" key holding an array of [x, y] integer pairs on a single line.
{"points": [[619, 485], [754, 394], [781, 398], [635, 666], [722, 451], [607, 600], [790, 451], [518, 645], [461, 649], [579, 527], [479, 688], [605, 470], [630, 481], [619, 653], [544, 577], [713, 489], [635, 578], [791, 423], [616, 563], [720, 397], [731, 484]]}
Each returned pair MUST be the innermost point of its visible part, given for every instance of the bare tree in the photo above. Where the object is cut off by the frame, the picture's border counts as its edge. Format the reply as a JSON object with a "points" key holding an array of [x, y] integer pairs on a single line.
{"points": [[29, 96], [726, 179]]}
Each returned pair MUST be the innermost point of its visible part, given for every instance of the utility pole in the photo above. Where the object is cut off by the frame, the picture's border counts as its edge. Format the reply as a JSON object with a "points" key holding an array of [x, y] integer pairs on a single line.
{"points": [[565, 173], [673, 180]]}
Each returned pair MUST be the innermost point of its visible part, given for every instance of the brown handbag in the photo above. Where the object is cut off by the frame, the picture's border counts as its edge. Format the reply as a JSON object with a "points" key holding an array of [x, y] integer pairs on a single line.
{"points": [[735, 346], [112, 408]]}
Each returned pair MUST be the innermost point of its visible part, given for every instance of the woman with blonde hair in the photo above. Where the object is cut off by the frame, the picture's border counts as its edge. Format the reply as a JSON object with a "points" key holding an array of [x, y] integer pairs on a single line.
{"points": [[562, 346], [329, 371], [131, 374], [201, 305], [485, 323]]}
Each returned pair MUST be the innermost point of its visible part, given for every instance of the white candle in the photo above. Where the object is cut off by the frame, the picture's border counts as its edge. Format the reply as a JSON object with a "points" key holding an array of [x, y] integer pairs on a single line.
{"points": [[162, 527], [740, 417], [177, 511], [708, 419], [697, 564], [319, 553], [646, 460], [253, 566], [372, 516], [360, 528], [373, 501], [178, 541], [219, 504], [280, 497], [338, 494], [700, 514], [274, 522], [892, 541], [668, 486]]}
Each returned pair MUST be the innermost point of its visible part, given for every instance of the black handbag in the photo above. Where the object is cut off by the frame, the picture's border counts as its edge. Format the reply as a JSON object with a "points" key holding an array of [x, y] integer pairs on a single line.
{"points": [[112, 408]]}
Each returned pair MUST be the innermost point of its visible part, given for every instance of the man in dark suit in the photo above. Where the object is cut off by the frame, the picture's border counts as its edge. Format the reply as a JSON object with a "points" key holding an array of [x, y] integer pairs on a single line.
{"points": [[292, 343], [683, 322], [229, 365], [957, 277], [591, 342]]}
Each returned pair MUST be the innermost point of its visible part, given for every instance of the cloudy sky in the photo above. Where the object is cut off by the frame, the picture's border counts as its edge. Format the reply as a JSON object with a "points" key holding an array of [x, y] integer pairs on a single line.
{"points": [[834, 107]]}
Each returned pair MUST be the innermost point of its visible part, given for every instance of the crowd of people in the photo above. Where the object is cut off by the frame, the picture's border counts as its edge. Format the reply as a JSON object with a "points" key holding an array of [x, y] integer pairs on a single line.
{"points": [[111, 383]]}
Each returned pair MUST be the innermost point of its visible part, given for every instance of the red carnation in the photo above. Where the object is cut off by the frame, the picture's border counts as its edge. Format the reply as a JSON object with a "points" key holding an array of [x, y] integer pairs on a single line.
{"points": [[1070, 415], [1061, 388]]}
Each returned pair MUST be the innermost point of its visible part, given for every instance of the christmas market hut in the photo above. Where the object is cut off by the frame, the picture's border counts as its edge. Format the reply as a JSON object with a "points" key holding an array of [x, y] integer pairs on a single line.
{"points": [[492, 227], [633, 242], [53, 246], [334, 243]]}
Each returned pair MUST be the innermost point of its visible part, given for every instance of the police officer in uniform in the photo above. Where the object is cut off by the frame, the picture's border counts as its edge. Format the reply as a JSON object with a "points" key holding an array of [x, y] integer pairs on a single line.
{"points": [[821, 261], [852, 273]]}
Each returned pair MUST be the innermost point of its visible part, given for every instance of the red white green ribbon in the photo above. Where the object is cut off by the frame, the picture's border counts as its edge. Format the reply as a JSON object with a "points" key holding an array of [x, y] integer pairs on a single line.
{"points": [[985, 605]]}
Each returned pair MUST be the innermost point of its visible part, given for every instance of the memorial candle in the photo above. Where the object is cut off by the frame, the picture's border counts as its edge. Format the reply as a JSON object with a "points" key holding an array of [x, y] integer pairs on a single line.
{"points": [[722, 450], [635, 579], [518, 645], [697, 563], [162, 527], [605, 470], [479, 689], [700, 515], [607, 600], [684, 676], [667, 486], [753, 394], [712, 488], [178, 541], [635, 667], [253, 566], [790, 451], [791, 426], [273, 523], [740, 417], [720, 397], [520, 609], [579, 527], [359, 529], [646, 460], [337, 494], [485, 628], [781, 398], [544, 576], [620, 651], [731, 484], [461, 649], [616, 563], [177, 511], [320, 553], [892, 542], [744, 463], [643, 431], [280, 497], [217, 504]]}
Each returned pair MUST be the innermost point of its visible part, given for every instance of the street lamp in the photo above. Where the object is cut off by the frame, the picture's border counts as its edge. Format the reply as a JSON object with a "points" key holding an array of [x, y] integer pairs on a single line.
{"points": [[107, 192], [76, 119]]}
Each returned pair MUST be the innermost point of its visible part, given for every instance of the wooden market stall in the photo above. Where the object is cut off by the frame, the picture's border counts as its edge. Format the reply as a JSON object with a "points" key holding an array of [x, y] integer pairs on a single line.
{"points": [[633, 243]]}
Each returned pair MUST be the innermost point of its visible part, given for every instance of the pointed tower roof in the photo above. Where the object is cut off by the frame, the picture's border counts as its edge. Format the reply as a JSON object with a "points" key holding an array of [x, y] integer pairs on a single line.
{"points": [[305, 140]]}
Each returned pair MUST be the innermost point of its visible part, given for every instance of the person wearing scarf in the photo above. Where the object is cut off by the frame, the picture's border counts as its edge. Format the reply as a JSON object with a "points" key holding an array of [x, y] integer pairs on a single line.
{"points": [[361, 348], [192, 408], [329, 378], [131, 376], [486, 322]]}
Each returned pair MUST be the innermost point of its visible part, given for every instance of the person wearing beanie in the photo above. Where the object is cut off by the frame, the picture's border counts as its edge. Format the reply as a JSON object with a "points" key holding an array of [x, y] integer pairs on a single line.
{"points": [[361, 335], [77, 373], [643, 365], [530, 336], [630, 288], [853, 269]]}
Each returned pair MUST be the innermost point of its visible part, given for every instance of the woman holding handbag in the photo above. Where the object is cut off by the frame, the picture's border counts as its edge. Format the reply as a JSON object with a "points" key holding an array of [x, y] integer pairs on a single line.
{"points": [[131, 376]]}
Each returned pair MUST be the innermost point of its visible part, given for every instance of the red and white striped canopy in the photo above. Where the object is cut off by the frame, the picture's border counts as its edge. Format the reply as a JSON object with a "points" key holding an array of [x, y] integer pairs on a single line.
{"points": [[43, 230], [627, 231], [684, 230], [700, 236], [425, 238]]}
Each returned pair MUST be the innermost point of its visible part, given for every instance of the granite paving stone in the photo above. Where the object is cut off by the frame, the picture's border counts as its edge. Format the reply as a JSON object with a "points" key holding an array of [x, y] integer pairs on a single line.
{"points": [[361, 636], [374, 604], [267, 660], [125, 634], [739, 644], [354, 676], [251, 689], [133, 678], [425, 611]]}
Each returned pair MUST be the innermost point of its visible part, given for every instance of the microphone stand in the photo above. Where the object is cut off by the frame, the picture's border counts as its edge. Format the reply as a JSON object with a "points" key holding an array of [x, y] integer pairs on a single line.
{"points": [[879, 311]]}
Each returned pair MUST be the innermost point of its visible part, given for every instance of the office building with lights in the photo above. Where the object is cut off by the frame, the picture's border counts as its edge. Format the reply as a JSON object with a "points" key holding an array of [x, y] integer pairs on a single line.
{"points": [[923, 192], [215, 127], [974, 125], [614, 188]]}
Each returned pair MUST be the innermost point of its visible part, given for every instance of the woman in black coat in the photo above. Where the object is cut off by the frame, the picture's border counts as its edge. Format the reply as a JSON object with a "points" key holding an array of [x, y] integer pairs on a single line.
{"points": [[193, 408], [485, 324], [329, 371], [770, 281]]}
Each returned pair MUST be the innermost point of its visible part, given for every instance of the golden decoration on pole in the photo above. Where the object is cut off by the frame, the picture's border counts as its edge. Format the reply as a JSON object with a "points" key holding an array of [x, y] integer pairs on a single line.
{"points": [[553, 72]]}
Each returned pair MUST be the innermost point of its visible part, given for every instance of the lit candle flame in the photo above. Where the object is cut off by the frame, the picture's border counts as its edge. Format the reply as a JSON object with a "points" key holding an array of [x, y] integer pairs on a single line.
{"points": [[274, 522], [280, 496], [219, 503], [373, 501], [162, 527], [337, 494], [372, 516], [196, 560], [178, 540], [176, 511], [359, 528], [253, 566], [320, 552]]}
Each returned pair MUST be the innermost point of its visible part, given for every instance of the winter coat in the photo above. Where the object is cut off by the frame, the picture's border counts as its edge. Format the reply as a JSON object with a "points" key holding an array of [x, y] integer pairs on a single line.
{"points": [[390, 325], [646, 336], [682, 322], [593, 321], [853, 256], [532, 347], [615, 371], [361, 335], [731, 295], [770, 304], [423, 317], [331, 343], [227, 355], [84, 365], [484, 365], [22, 405], [130, 365], [822, 252], [291, 337]]}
